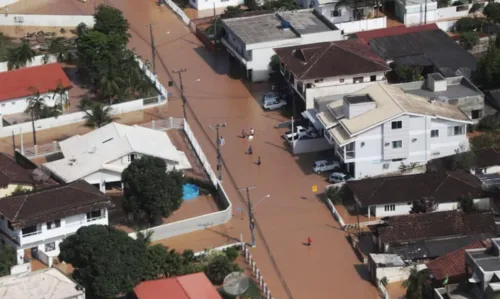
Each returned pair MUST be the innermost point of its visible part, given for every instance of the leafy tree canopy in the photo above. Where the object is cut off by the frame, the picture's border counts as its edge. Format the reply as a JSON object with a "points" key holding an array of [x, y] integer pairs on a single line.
{"points": [[469, 39], [150, 191], [488, 70], [423, 205], [492, 12], [7, 259], [417, 286], [467, 204], [110, 21], [107, 261], [218, 267]]}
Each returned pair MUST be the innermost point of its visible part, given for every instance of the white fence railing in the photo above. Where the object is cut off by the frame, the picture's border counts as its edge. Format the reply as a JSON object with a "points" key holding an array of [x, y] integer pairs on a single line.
{"points": [[200, 222], [383, 290], [7, 19], [332, 208], [178, 11], [265, 291]]}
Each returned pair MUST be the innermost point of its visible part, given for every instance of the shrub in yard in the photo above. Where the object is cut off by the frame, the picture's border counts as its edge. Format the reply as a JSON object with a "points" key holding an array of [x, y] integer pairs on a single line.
{"points": [[489, 123], [469, 39], [231, 253], [489, 139], [468, 24], [475, 7], [218, 268], [335, 194]]}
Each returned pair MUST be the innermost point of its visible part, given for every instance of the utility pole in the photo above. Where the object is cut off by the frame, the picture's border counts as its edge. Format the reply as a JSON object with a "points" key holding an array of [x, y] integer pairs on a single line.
{"points": [[153, 52], [183, 98], [218, 142], [250, 212]]}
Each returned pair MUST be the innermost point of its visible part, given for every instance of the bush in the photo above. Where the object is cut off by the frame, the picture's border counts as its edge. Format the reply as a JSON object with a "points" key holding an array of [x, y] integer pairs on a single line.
{"points": [[469, 39], [466, 204], [489, 123], [231, 253], [468, 24], [475, 7], [485, 140], [492, 11], [335, 194], [218, 268]]}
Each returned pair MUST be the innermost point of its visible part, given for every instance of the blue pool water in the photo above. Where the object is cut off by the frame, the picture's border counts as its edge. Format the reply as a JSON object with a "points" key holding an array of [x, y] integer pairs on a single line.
{"points": [[190, 191]]}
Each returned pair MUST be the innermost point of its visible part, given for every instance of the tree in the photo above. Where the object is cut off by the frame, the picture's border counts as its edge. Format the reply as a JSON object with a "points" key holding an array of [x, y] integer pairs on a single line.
{"points": [[218, 267], [62, 92], [469, 39], [488, 69], [463, 159], [150, 191], [490, 139], [492, 12], [19, 56], [20, 190], [335, 194], [274, 64], [110, 86], [417, 284], [59, 48], [110, 21], [51, 111], [36, 102], [8, 259], [233, 11], [107, 261], [466, 204], [96, 114], [423, 205], [407, 73]]}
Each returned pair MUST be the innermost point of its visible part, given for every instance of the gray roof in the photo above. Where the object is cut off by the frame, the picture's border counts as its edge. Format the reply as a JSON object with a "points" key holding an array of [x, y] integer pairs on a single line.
{"points": [[265, 28], [486, 259], [457, 88]]}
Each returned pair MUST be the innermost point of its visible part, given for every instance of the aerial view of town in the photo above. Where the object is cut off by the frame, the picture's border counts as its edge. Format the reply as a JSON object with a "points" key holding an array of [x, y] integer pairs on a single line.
{"points": [[249, 149]]}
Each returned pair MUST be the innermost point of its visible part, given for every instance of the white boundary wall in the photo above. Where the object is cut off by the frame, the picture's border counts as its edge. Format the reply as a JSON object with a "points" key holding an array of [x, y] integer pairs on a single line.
{"points": [[45, 20], [362, 25], [37, 60], [178, 11], [4, 3], [196, 223]]}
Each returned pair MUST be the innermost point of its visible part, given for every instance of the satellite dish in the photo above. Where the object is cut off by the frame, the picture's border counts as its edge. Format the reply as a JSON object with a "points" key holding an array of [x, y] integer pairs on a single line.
{"points": [[464, 71], [39, 175], [236, 283]]}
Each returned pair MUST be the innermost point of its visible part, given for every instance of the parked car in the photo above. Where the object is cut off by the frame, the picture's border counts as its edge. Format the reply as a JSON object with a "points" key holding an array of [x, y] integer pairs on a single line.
{"points": [[271, 96], [339, 177], [300, 131], [324, 165], [272, 104]]}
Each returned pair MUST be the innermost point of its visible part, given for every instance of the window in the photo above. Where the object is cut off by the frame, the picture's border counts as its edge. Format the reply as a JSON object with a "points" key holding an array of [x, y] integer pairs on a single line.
{"points": [[94, 214], [397, 144], [50, 246], [397, 125], [318, 80], [434, 133], [373, 78], [358, 79], [389, 208], [9, 225], [341, 80], [336, 13], [456, 130], [476, 114], [131, 158], [54, 224]]}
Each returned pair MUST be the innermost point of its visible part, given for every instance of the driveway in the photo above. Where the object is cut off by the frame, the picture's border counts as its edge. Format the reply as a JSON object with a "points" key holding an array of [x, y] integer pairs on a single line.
{"points": [[327, 269]]}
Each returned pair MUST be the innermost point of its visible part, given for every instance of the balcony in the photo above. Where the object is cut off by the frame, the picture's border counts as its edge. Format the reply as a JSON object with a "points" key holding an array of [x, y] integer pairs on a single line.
{"points": [[347, 152], [32, 234]]}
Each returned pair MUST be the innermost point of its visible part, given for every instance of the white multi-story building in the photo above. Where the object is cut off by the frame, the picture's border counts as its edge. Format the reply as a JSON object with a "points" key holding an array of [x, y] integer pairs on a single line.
{"points": [[18, 85], [377, 128], [330, 68], [99, 157], [251, 40], [35, 223]]}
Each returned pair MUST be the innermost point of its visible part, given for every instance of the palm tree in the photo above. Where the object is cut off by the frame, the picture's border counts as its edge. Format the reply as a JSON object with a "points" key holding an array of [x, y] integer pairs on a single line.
{"points": [[96, 114], [19, 56], [110, 86], [48, 111], [59, 48], [62, 92], [416, 284], [36, 104]]}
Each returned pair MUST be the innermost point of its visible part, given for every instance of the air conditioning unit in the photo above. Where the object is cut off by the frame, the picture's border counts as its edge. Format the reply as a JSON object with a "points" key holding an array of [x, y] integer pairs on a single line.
{"points": [[385, 166]]}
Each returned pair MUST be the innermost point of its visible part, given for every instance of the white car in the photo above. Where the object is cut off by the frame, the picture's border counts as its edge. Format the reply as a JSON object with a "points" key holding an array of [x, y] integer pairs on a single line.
{"points": [[272, 104], [300, 131], [339, 177], [324, 165], [271, 96]]}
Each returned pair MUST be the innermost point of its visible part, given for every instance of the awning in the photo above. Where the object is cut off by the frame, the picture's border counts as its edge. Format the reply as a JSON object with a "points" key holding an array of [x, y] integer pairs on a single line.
{"points": [[310, 114]]}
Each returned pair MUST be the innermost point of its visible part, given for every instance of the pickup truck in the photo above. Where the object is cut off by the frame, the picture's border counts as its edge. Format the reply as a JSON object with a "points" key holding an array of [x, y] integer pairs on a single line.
{"points": [[299, 132]]}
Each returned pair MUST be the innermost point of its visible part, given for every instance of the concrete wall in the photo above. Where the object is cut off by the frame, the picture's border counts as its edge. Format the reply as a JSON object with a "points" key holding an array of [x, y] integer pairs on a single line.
{"points": [[37, 60], [20, 105], [22, 268], [310, 145], [178, 11], [395, 274], [45, 20], [210, 4], [415, 14], [362, 25]]}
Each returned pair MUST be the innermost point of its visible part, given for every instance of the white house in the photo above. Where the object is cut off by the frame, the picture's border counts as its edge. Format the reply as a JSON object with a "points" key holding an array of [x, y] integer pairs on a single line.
{"points": [[251, 40], [99, 157], [379, 127], [35, 223], [330, 68], [214, 4], [18, 85], [394, 195]]}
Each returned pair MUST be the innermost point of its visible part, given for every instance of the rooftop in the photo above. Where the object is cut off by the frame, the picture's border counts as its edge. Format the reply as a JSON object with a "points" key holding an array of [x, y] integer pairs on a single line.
{"points": [[11, 172], [456, 88], [391, 102], [488, 258], [417, 227], [86, 154], [48, 284], [52, 203], [452, 263], [268, 27], [192, 286], [17, 83], [391, 31], [443, 186], [431, 47], [387, 260], [331, 59]]}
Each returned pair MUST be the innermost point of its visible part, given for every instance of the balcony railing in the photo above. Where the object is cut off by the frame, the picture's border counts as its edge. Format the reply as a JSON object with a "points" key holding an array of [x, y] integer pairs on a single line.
{"points": [[350, 154], [95, 218], [32, 234]]}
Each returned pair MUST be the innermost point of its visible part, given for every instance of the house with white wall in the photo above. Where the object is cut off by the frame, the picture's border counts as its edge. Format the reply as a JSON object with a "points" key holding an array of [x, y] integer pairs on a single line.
{"points": [[214, 4], [18, 85], [251, 40], [394, 195], [483, 270], [13, 177], [35, 223], [330, 68], [379, 127], [99, 157]]}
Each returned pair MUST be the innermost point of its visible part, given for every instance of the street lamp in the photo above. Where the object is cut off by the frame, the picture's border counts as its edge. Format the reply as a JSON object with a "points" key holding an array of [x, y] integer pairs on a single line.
{"points": [[251, 218], [267, 196]]}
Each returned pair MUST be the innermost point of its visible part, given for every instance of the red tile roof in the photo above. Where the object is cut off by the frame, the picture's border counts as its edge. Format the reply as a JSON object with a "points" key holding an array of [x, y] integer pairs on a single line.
{"points": [[192, 286], [453, 264], [391, 31], [15, 84]]}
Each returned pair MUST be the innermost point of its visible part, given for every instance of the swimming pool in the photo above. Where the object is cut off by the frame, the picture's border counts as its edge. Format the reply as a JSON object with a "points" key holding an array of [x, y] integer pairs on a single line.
{"points": [[190, 191]]}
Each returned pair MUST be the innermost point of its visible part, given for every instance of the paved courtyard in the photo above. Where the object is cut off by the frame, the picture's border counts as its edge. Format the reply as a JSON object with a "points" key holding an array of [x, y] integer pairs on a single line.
{"points": [[327, 269]]}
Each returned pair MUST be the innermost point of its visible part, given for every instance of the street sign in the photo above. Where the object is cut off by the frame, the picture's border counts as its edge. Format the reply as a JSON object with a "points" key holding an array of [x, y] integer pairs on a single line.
{"points": [[315, 189]]}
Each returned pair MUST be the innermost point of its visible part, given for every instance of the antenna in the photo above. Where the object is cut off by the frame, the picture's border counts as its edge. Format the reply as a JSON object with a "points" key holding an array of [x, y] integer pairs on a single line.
{"points": [[464, 71], [236, 283]]}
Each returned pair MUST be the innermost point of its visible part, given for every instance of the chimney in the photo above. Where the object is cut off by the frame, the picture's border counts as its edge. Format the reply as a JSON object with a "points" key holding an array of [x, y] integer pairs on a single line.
{"points": [[355, 105], [436, 82]]}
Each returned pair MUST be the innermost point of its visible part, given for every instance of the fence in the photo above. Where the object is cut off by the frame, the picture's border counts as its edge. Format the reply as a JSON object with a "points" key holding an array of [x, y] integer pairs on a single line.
{"points": [[45, 20], [383, 290], [258, 276], [362, 25], [201, 222], [37, 60], [330, 205], [180, 13]]}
